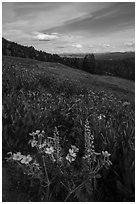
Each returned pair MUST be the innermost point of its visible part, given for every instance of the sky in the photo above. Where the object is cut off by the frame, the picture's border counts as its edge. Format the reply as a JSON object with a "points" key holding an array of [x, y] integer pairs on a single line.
{"points": [[71, 27]]}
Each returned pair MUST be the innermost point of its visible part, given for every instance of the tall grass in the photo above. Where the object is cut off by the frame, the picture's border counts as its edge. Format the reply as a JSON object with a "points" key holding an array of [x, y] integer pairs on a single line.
{"points": [[36, 101]]}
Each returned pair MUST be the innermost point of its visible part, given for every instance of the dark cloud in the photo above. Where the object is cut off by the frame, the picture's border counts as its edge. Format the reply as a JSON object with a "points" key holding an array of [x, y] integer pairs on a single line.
{"points": [[60, 47], [117, 16]]}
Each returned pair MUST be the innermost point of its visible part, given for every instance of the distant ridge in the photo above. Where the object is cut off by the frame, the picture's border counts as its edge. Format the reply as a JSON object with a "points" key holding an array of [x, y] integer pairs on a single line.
{"points": [[102, 56]]}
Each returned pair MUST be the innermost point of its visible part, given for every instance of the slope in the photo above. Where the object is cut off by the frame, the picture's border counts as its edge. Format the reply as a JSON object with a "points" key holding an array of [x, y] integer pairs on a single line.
{"points": [[47, 97], [123, 87]]}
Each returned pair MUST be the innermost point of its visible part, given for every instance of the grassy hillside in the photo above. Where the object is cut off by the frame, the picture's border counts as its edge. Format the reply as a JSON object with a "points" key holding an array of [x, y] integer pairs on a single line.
{"points": [[74, 133], [80, 78]]}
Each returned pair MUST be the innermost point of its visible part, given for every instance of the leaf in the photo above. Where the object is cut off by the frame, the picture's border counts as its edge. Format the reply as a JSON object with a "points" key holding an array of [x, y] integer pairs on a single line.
{"points": [[122, 189], [97, 176], [80, 195], [95, 183], [57, 188], [88, 187]]}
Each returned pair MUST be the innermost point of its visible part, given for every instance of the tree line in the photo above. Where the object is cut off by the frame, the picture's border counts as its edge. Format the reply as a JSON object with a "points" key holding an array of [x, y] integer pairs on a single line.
{"points": [[124, 68]]}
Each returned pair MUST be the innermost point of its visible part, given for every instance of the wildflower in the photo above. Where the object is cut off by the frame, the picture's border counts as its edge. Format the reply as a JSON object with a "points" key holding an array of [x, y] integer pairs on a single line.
{"points": [[33, 143], [35, 164], [72, 153], [43, 132], [26, 159], [70, 158], [126, 103], [37, 132], [89, 144], [101, 116], [81, 95], [109, 163], [49, 150], [106, 154], [40, 135], [49, 95], [32, 134], [10, 153], [75, 149], [57, 144], [60, 159], [89, 138], [17, 156], [42, 145]]}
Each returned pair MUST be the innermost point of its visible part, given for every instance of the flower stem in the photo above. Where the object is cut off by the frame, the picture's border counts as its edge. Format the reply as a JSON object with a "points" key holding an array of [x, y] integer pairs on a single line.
{"points": [[48, 181], [75, 190]]}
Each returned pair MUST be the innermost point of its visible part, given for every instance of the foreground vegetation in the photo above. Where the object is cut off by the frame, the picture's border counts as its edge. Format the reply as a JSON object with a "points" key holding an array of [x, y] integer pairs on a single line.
{"points": [[66, 141]]}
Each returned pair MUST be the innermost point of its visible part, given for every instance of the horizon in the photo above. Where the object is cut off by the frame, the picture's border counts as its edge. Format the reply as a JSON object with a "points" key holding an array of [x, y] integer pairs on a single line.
{"points": [[76, 53], [93, 27]]}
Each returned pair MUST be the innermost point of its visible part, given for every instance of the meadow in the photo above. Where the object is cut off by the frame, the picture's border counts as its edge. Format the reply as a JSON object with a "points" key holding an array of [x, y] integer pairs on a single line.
{"points": [[69, 135]]}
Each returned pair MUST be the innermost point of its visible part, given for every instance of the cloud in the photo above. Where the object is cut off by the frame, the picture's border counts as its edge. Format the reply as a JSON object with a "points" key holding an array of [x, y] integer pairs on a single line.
{"points": [[106, 45], [92, 26], [79, 46], [60, 47], [129, 43], [44, 36], [115, 17], [16, 35]]}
